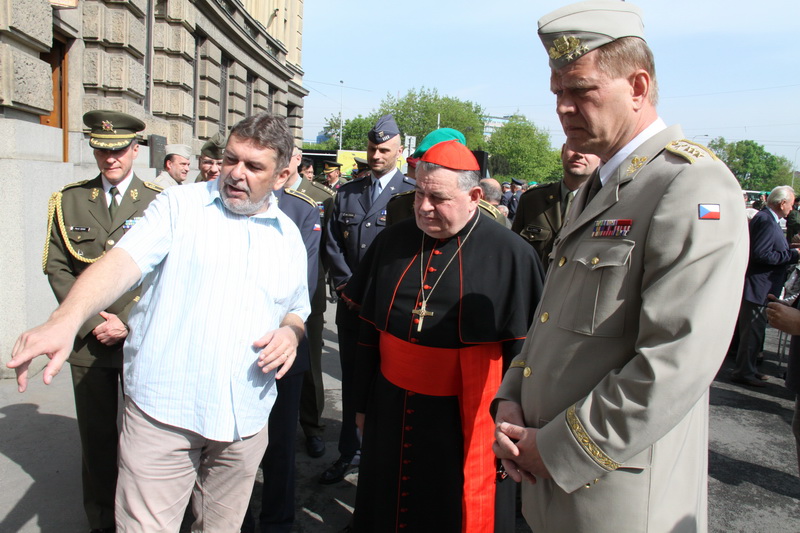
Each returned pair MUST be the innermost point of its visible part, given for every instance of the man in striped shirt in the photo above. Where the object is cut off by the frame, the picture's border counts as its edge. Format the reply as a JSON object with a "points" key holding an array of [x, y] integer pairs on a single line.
{"points": [[224, 298]]}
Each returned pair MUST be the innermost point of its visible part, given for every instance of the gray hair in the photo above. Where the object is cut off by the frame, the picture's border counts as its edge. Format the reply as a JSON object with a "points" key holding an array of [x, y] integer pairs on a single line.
{"points": [[492, 192], [779, 194], [620, 58], [467, 179], [268, 131]]}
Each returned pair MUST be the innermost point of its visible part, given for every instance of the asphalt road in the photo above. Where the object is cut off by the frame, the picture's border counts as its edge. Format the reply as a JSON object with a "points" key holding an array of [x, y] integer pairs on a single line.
{"points": [[753, 482]]}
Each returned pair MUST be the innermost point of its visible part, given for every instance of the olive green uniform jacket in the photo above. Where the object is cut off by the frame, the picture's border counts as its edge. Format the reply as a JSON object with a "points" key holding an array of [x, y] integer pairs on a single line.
{"points": [[80, 232], [629, 334], [538, 218]]}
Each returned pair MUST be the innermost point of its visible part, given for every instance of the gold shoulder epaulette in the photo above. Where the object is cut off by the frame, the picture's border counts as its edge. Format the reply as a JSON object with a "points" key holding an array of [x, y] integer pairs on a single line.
{"points": [[152, 186], [689, 150], [324, 187], [489, 208], [301, 195], [71, 185], [404, 193]]}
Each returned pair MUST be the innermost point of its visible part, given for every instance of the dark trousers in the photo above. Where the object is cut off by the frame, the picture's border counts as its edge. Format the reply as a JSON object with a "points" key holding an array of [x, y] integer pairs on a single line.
{"points": [[278, 464], [349, 442], [96, 392], [752, 328], [312, 398]]}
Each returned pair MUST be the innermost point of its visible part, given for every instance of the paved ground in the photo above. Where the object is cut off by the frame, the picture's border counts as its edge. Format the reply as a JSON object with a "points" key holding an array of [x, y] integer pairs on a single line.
{"points": [[753, 484]]}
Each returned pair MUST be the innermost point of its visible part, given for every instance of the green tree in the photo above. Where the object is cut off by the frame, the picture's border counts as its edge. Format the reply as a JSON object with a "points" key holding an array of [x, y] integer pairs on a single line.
{"points": [[354, 132], [522, 150], [421, 111], [754, 167]]}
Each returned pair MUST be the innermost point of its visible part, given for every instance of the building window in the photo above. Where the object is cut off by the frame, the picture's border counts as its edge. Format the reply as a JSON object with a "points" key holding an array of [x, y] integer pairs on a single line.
{"points": [[148, 55], [198, 44]]}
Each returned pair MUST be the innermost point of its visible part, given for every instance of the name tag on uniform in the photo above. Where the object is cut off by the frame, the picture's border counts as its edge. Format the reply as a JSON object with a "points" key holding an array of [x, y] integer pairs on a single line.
{"points": [[612, 228], [78, 228]]}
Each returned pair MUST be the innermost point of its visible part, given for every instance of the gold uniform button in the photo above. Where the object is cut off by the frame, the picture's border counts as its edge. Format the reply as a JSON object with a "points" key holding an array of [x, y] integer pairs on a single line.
{"points": [[562, 261], [595, 260], [545, 317], [110, 242], [527, 372]]}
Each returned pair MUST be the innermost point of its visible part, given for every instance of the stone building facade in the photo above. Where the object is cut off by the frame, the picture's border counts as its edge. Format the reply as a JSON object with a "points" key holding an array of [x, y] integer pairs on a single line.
{"points": [[188, 68]]}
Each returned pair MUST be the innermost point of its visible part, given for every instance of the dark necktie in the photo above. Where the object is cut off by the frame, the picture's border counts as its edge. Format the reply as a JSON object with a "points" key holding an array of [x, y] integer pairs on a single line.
{"points": [[112, 205]]}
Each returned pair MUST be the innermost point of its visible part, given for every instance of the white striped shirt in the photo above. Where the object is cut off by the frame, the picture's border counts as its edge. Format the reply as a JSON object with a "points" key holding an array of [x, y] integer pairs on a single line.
{"points": [[213, 282]]}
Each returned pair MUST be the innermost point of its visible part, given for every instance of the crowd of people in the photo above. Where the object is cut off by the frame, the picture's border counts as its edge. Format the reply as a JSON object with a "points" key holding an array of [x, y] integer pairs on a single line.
{"points": [[563, 337]]}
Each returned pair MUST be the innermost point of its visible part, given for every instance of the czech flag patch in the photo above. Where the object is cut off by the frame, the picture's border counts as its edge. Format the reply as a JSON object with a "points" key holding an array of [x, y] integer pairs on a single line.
{"points": [[708, 211], [317, 227]]}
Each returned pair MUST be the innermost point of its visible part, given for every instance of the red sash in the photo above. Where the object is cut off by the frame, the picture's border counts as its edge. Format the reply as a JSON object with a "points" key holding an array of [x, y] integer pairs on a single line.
{"points": [[473, 374]]}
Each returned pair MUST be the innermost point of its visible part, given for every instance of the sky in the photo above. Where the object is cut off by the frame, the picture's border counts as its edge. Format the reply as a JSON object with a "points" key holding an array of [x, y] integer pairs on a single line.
{"points": [[725, 68]]}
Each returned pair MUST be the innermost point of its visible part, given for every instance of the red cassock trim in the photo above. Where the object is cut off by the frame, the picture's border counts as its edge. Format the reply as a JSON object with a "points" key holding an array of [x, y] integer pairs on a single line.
{"points": [[473, 374]]}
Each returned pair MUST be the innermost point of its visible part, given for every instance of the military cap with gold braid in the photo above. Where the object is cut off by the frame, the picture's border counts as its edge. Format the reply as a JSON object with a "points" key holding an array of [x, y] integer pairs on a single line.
{"points": [[111, 130], [574, 30]]}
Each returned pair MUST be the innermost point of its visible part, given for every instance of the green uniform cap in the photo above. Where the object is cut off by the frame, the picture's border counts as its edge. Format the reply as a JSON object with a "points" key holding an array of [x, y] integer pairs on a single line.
{"points": [[437, 136], [111, 130], [574, 30], [214, 147]]}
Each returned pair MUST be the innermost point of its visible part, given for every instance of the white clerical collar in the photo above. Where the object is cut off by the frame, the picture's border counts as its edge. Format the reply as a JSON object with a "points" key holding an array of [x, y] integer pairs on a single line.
{"points": [[610, 166]]}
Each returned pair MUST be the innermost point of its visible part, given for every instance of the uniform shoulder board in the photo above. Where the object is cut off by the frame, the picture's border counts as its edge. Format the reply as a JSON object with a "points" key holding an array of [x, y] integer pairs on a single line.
{"points": [[690, 151], [71, 185], [324, 187], [489, 208], [152, 186], [301, 195], [404, 193]]}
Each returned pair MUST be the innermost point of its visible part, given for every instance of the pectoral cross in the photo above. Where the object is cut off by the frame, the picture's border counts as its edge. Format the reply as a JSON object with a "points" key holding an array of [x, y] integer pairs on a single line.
{"points": [[421, 313]]}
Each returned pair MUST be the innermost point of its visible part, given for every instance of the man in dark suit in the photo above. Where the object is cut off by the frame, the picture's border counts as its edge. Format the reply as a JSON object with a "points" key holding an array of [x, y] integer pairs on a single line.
{"points": [[86, 220], [358, 215], [543, 209], [278, 464], [766, 273]]}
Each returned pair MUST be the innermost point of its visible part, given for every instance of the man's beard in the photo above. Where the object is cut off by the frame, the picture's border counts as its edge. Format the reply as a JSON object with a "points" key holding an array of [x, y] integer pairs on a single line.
{"points": [[240, 207]]}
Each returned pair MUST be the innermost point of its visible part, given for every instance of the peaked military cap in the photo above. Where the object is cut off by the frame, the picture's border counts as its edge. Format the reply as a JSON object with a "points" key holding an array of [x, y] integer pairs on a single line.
{"points": [[214, 147], [111, 130], [361, 163], [330, 166], [574, 30], [383, 130]]}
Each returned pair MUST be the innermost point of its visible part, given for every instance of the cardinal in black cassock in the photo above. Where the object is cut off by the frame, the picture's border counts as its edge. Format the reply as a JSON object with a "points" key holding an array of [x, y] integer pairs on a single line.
{"points": [[444, 309]]}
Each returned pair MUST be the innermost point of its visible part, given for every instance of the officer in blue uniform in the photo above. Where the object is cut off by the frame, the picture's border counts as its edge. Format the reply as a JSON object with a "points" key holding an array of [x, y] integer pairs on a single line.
{"points": [[358, 215], [278, 464]]}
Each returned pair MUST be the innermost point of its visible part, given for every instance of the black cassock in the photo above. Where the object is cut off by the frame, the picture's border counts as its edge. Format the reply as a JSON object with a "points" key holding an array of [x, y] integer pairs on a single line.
{"points": [[412, 466]]}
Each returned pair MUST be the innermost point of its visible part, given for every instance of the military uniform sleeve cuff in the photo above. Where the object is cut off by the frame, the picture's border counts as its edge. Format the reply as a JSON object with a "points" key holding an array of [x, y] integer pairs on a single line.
{"points": [[570, 455]]}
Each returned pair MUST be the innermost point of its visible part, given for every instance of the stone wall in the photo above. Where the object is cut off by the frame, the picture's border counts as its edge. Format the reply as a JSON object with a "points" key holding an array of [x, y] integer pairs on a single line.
{"points": [[159, 60]]}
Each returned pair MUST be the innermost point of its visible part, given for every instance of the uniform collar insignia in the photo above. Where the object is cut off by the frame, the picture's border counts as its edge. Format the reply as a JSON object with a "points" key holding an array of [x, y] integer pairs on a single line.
{"points": [[134, 194], [95, 193], [636, 164]]}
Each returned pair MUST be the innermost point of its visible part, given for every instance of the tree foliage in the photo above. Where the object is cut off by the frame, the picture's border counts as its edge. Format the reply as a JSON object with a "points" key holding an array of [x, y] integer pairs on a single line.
{"points": [[421, 111], [754, 167], [521, 150], [354, 132]]}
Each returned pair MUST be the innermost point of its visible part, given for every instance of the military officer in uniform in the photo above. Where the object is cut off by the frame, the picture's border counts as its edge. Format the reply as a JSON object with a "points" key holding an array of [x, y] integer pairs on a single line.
{"points": [[543, 208], [604, 413], [278, 490], [358, 215], [333, 174], [312, 398], [210, 160], [176, 166], [86, 220]]}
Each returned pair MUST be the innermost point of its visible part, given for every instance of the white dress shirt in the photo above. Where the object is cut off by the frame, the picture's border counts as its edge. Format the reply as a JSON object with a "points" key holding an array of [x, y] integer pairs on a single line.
{"points": [[213, 282]]}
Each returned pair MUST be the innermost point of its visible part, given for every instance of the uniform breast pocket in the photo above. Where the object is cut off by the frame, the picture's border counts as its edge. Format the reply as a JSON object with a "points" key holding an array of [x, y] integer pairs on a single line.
{"points": [[81, 234], [533, 233], [349, 223], [594, 300]]}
